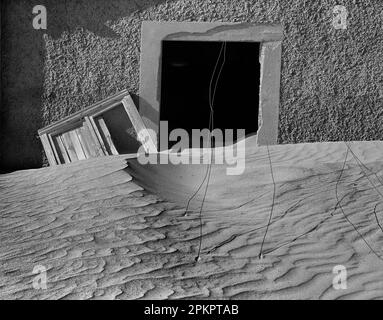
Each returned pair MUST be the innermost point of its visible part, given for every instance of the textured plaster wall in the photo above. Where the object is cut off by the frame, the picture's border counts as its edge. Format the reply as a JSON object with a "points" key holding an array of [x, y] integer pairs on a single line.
{"points": [[331, 81]]}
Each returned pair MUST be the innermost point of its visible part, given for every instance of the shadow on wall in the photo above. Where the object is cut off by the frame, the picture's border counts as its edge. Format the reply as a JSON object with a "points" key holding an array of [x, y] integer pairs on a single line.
{"points": [[22, 66], [91, 15]]}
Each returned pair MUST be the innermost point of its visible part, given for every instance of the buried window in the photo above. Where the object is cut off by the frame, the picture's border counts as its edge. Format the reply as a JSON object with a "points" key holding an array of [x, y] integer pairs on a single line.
{"points": [[199, 76], [110, 127], [177, 64]]}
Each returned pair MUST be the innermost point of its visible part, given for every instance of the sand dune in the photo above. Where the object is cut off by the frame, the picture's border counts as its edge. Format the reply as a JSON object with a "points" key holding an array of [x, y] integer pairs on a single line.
{"points": [[111, 228]]}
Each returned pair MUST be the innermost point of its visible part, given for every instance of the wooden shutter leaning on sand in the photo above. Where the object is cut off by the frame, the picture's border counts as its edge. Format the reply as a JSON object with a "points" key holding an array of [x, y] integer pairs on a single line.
{"points": [[94, 132]]}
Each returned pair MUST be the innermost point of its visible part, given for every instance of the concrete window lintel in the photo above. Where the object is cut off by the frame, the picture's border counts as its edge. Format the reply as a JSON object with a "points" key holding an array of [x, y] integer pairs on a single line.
{"points": [[270, 37]]}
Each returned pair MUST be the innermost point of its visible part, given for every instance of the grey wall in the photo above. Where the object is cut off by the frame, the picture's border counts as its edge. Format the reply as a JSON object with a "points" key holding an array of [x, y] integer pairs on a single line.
{"points": [[331, 82], [22, 78]]}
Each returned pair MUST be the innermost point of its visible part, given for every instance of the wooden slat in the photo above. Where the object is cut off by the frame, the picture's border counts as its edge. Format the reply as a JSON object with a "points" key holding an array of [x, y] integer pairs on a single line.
{"points": [[77, 145], [54, 148], [83, 142], [93, 127], [67, 140], [94, 139], [102, 125], [143, 135], [61, 149], [48, 149], [90, 140]]}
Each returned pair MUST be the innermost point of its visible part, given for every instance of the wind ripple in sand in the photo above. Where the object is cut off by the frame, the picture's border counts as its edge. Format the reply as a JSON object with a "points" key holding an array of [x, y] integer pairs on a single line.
{"points": [[102, 236]]}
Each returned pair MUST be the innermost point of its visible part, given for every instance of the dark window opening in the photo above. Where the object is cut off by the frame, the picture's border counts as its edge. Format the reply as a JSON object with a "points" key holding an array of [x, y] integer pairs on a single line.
{"points": [[187, 68]]}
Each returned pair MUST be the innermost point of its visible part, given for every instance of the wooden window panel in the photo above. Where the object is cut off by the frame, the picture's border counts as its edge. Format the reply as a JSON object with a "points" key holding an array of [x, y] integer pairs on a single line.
{"points": [[93, 127], [85, 134], [89, 132], [48, 149], [68, 144], [61, 150], [105, 136], [84, 143], [77, 145], [143, 134]]}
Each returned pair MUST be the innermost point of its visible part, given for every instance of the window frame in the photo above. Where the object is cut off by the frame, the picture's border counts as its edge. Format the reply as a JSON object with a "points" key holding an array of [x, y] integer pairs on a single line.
{"points": [[87, 117], [269, 36]]}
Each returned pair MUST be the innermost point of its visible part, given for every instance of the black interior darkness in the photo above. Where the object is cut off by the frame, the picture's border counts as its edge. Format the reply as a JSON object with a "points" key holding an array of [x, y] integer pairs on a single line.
{"points": [[187, 68]]}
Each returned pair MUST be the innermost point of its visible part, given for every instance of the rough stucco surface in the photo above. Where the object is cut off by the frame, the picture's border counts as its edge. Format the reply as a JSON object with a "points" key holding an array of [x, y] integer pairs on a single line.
{"points": [[331, 81]]}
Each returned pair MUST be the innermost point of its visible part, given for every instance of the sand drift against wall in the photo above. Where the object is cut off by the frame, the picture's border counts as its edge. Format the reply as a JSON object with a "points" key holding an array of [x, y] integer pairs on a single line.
{"points": [[101, 235]]}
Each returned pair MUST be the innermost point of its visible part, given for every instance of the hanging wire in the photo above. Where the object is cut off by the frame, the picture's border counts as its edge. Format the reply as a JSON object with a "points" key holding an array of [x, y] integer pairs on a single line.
{"points": [[212, 93], [272, 204]]}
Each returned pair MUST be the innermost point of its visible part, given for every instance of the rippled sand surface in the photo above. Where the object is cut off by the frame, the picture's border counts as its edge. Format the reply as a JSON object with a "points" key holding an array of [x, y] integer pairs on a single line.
{"points": [[111, 228]]}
